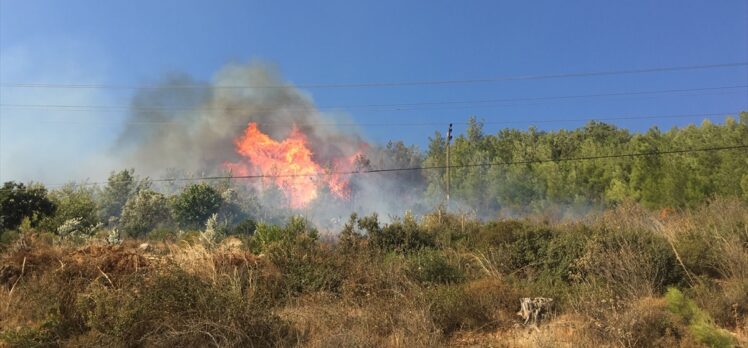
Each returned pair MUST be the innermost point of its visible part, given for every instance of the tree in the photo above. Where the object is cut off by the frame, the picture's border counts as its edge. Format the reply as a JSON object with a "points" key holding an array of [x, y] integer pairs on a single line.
{"points": [[655, 181], [196, 204], [120, 187], [143, 212], [18, 202], [73, 202]]}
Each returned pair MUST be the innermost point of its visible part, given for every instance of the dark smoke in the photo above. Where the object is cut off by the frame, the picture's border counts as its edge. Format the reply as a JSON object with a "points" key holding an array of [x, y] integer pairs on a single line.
{"points": [[175, 129], [184, 125]]}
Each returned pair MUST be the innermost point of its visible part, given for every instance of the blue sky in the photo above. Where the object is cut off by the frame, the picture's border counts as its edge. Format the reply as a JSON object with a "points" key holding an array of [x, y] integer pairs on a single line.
{"points": [[326, 42]]}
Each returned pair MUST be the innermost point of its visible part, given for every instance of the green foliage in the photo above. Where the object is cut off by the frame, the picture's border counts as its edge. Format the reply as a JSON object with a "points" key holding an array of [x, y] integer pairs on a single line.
{"points": [[17, 201], [402, 235], [73, 203], [143, 212], [306, 268], [180, 309], [607, 275], [196, 204], [656, 181], [42, 336], [7, 237], [431, 267], [699, 323], [305, 265], [481, 304], [535, 249], [266, 235], [245, 228], [121, 186]]}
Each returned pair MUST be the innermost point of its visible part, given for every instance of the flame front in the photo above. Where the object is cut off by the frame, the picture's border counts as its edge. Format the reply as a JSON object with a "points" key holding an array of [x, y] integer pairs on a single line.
{"points": [[289, 165]]}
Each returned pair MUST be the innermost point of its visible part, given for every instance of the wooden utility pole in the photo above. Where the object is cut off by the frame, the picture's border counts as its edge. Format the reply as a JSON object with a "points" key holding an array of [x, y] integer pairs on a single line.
{"points": [[449, 139]]}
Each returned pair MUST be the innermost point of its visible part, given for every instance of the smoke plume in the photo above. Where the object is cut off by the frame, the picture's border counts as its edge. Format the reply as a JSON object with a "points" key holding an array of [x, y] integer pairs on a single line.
{"points": [[204, 129], [183, 125]]}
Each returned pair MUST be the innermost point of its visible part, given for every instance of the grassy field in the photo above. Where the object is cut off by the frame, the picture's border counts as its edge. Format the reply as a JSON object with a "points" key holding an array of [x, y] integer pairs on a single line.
{"points": [[627, 277]]}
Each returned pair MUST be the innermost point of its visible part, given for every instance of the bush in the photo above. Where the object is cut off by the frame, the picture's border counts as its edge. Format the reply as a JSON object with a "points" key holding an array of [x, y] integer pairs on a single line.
{"points": [[245, 228], [178, 309], [18, 202], [633, 264], [542, 251], [726, 301], [699, 323], [481, 304], [306, 267], [121, 187], [143, 212], [645, 322], [266, 235], [498, 233], [401, 235], [196, 204], [73, 203], [431, 267]]}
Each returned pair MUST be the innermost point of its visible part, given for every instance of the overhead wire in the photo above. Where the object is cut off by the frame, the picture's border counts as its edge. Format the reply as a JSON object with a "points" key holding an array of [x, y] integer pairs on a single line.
{"points": [[386, 83], [435, 167], [399, 106], [413, 124]]}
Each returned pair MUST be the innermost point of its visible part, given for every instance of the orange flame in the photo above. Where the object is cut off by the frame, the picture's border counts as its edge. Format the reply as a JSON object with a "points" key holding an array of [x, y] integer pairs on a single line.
{"points": [[289, 165]]}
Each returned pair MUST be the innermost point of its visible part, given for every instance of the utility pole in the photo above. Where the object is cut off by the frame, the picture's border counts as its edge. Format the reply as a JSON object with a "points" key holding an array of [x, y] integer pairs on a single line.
{"points": [[449, 139]]}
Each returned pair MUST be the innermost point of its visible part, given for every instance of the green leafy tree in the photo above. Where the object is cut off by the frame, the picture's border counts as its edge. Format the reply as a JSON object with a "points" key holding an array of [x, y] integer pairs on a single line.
{"points": [[196, 204], [120, 187], [143, 212], [682, 180], [18, 201], [74, 202]]}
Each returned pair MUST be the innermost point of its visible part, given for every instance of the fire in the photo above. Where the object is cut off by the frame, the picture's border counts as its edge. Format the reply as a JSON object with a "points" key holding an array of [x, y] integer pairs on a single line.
{"points": [[289, 165]]}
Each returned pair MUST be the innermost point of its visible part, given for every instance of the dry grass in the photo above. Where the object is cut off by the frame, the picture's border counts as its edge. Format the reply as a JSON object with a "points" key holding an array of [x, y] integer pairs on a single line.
{"points": [[463, 292]]}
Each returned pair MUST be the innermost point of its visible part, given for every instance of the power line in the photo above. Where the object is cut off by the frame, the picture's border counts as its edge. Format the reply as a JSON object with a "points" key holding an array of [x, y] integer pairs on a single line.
{"points": [[486, 164], [398, 106], [390, 83], [409, 124]]}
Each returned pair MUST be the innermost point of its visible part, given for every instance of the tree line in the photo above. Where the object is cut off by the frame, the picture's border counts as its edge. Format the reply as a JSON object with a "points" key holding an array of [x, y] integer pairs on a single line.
{"points": [[135, 207], [667, 181]]}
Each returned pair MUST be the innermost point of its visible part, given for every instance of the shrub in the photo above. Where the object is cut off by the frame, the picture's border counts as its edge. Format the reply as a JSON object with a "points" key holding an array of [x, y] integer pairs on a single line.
{"points": [[632, 263], [645, 322], [144, 212], [18, 202], [481, 304], [726, 301], [451, 230], [699, 323], [196, 204], [264, 236], [73, 202], [498, 233], [245, 228], [402, 235], [178, 309], [268, 234], [431, 267], [542, 251], [121, 187], [305, 267], [52, 297]]}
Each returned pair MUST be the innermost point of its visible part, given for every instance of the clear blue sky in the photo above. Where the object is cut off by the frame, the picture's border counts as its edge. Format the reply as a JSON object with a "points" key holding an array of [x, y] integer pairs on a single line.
{"points": [[134, 42]]}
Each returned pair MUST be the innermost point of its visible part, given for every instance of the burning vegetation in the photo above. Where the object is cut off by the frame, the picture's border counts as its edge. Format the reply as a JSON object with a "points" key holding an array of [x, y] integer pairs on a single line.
{"points": [[289, 247], [290, 165]]}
